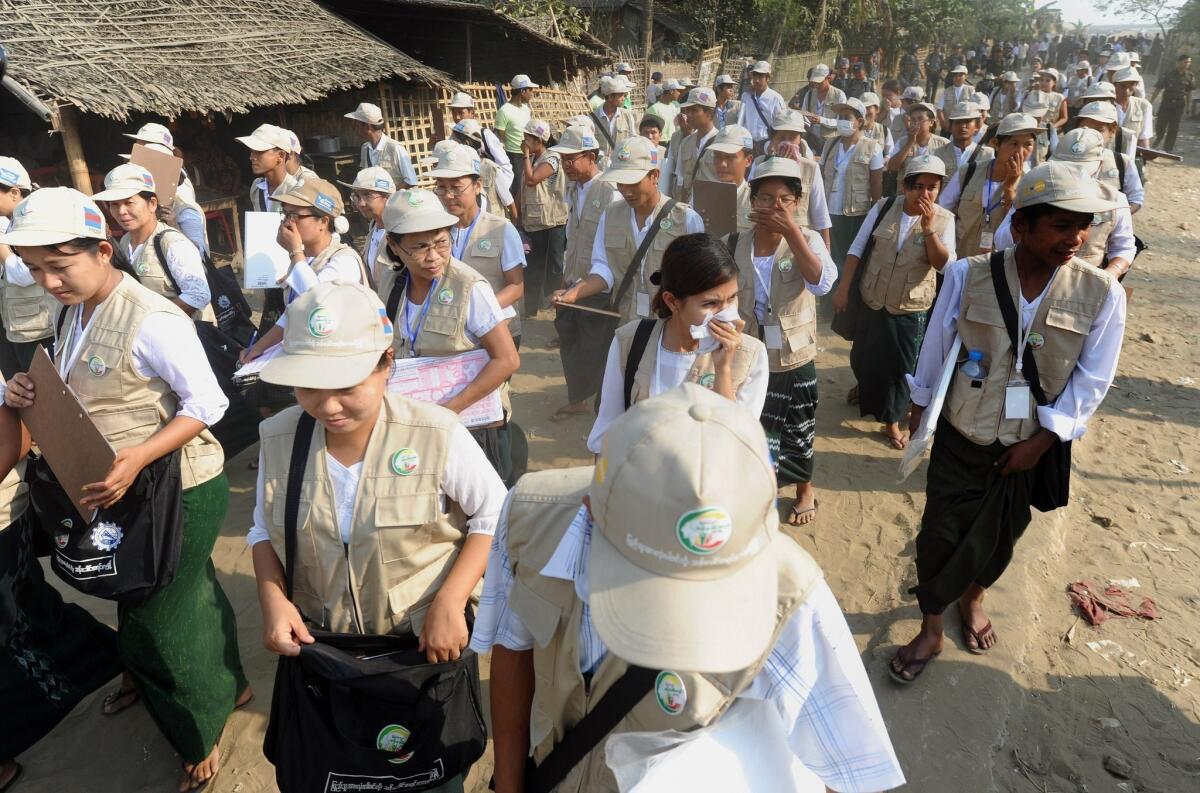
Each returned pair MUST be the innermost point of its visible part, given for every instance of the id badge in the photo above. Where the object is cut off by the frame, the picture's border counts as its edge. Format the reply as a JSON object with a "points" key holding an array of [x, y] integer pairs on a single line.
{"points": [[986, 239], [642, 304], [1016, 400], [773, 336]]}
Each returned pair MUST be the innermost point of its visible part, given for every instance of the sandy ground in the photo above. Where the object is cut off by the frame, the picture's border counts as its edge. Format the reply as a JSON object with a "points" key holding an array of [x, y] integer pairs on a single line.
{"points": [[1042, 712]]}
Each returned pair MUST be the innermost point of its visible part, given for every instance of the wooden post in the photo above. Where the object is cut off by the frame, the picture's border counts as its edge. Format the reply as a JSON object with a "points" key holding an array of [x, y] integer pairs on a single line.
{"points": [[468, 69], [68, 125], [647, 30]]}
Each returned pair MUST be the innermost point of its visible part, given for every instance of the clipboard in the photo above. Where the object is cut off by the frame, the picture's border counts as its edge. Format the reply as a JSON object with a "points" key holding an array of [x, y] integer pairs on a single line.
{"points": [[716, 204], [77, 452], [1154, 154], [165, 168], [265, 262]]}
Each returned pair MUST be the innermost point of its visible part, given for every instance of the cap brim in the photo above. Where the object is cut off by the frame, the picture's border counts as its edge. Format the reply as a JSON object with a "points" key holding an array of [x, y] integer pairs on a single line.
{"points": [[728, 148], [430, 221], [119, 193], [33, 238], [256, 144], [625, 175], [312, 370], [450, 173], [1085, 205], [657, 622], [560, 149]]}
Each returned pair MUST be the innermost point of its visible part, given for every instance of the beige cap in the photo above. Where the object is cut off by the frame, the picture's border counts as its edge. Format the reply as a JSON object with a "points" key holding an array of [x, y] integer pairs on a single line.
{"points": [[982, 101], [319, 194], [631, 161], [373, 178], [1017, 123], [963, 111], [681, 573], [469, 128], [1134, 57], [456, 161], [1082, 66], [582, 120], [295, 146], [1100, 90], [924, 163], [1036, 103], [576, 139], [1010, 77], [521, 81], [914, 93], [1061, 185], [267, 137], [724, 79], [1050, 71], [926, 106], [856, 106], [623, 68], [1082, 144], [613, 85], [777, 167], [125, 181], [153, 133], [462, 100], [538, 128], [54, 215], [672, 85], [13, 174], [415, 210], [1126, 75], [1117, 61], [869, 99], [1099, 111], [818, 73], [439, 148], [959, 69], [367, 113], [788, 120], [336, 333], [732, 139], [700, 97], [761, 67]]}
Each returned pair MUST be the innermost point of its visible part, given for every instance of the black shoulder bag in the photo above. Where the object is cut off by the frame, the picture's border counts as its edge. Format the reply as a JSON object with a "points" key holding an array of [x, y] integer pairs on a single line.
{"points": [[602, 128], [229, 304], [636, 263], [637, 349], [361, 712], [845, 323], [1050, 484]]}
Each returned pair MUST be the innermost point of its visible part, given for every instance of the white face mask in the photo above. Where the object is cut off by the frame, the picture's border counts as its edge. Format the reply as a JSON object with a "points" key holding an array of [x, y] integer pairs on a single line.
{"points": [[701, 333], [846, 127]]}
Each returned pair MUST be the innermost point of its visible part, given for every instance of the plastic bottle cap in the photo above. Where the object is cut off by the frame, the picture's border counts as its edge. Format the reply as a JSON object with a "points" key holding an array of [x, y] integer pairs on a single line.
{"points": [[975, 355]]}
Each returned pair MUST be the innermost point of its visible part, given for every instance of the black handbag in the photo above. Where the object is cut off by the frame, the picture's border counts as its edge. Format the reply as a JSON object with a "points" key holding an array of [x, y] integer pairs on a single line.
{"points": [[128, 551], [358, 712], [1050, 484], [230, 306], [845, 323]]}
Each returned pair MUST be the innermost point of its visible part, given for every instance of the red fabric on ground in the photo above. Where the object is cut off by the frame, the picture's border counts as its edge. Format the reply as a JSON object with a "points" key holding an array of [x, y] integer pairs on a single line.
{"points": [[1098, 604]]}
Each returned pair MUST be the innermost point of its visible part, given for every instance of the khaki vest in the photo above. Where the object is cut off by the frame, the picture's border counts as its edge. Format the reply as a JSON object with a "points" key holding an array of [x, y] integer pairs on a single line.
{"points": [[935, 142], [703, 372], [14, 495], [1109, 172], [402, 541], [857, 200], [1063, 318], [444, 331], [544, 206], [743, 207], [624, 127], [321, 259], [488, 173], [29, 311], [1132, 125], [390, 157], [620, 247], [126, 407], [901, 281], [380, 262], [483, 254], [182, 202], [691, 168], [876, 132], [1095, 248], [541, 507], [948, 154], [728, 114], [256, 193], [969, 213], [577, 261], [150, 271], [792, 305]]}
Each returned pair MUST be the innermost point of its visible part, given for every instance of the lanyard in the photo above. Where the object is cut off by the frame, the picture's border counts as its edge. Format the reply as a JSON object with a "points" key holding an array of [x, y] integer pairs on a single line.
{"points": [[409, 331], [67, 344], [988, 206], [766, 285], [464, 236], [1024, 332]]}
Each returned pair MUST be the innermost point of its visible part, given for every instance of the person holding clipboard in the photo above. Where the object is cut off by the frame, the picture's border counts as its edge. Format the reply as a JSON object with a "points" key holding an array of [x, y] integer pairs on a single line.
{"points": [[441, 307], [134, 361]]}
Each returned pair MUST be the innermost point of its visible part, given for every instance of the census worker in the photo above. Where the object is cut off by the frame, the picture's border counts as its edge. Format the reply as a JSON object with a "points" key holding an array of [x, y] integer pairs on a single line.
{"points": [[812, 211], [543, 214], [1048, 80], [369, 192], [899, 120], [1116, 168], [462, 108], [378, 149], [1043, 329], [511, 119], [488, 244], [166, 262], [133, 360], [1006, 99], [985, 108], [1135, 115], [902, 245], [1078, 85], [961, 151], [633, 233], [959, 90], [269, 149], [817, 101], [495, 187], [666, 107], [919, 139], [295, 163], [852, 167], [185, 213], [782, 268], [441, 307], [583, 335], [727, 107], [612, 120], [732, 152], [760, 103], [695, 337], [593, 586], [694, 160], [28, 311], [874, 128]]}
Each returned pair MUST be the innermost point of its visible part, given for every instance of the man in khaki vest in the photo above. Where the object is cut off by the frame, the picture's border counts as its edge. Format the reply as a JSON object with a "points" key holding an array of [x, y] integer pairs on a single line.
{"points": [[613, 121], [1068, 318], [961, 150], [1134, 114], [727, 107], [693, 160], [689, 589], [616, 266], [379, 149]]}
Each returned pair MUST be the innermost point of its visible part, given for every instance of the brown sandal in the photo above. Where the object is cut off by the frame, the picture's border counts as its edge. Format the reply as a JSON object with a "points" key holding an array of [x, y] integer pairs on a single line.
{"points": [[108, 706], [969, 633], [913, 666]]}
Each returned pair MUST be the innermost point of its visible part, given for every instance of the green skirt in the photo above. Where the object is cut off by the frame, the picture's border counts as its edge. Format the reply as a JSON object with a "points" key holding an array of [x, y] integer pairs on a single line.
{"points": [[181, 647], [885, 350], [789, 419], [52, 654]]}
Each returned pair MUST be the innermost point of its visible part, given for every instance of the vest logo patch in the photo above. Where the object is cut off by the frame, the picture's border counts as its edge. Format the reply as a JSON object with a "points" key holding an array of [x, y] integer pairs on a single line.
{"points": [[667, 225], [321, 322], [670, 693], [97, 366], [786, 264], [392, 739], [485, 245], [707, 380], [704, 531], [107, 536], [405, 461], [223, 302], [446, 296], [1036, 340], [143, 268]]}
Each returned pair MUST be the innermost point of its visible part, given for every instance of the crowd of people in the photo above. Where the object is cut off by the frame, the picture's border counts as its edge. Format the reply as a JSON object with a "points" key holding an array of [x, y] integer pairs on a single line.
{"points": [[966, 229]]}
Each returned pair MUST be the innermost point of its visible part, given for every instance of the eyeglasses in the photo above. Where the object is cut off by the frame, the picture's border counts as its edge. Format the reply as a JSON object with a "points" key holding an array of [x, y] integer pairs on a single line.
{"points": [[451, 192], [298, 215], [767, 200], [365, 197], [424, 250]]}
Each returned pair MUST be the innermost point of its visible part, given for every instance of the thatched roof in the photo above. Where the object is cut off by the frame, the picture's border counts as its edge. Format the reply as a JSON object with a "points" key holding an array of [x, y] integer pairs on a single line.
{"points": [[153, 56]]}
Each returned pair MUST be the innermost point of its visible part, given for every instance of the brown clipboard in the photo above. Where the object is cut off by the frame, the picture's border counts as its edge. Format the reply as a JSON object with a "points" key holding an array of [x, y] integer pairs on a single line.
{"points": [[716, 204], [1155, 154], [165, 168], [59, 424]]}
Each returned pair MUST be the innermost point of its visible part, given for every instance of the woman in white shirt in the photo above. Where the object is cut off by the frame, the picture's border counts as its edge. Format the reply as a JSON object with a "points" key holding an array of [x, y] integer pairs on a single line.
{"points": [[852, 166], [129, 354], [696, 338], [369, 192]]}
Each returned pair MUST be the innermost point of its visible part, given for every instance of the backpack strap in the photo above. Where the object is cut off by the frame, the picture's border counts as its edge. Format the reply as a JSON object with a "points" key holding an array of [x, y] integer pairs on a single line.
{"points": [[1009, 312], [162, 261], [291, 498], [636, 263], [641, 337]]}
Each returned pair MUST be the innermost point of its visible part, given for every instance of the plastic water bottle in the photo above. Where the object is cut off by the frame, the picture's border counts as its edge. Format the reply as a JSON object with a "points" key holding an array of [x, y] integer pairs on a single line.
{"points": [[973, 367]]}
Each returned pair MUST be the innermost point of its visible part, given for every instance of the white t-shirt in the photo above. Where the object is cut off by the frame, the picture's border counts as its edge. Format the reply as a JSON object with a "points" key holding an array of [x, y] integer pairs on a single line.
{"points": [[840, 162], [906, 223], [512, 254], [185, 265]]}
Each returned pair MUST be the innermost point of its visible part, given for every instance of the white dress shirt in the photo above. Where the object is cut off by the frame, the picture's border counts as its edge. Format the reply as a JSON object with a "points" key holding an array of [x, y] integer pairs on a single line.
{"points": [[404, 173], [496, 149], [765, 265], [771, 103], [343, 266], [185, 266], [512, 253], [693, 224], [15, 270], [906, 223], [1089, 382], [1120, 237]]}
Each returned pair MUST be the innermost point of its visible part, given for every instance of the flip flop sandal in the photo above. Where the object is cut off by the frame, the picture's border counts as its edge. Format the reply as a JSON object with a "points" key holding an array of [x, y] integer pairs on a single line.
{"points": [[970, 633], [236, 705], [562, 414], [131, 694], [799, 513], [852, 396], [914, 666], [898, 444], [18, 770]]}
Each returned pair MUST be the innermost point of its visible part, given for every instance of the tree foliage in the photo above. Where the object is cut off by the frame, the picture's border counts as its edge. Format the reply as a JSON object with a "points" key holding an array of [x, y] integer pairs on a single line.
{"points": [[1156, 11]]}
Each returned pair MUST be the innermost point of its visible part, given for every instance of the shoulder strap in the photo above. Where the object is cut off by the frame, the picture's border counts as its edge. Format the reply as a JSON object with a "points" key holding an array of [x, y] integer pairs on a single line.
{"points": [[636, 263], [636, 350], [1009, 312], [602, 128], [397, 293], [761, 114], [162, 261], [866, 251], [1120, 160], [626, 692], [731, 242], [291, 498]]}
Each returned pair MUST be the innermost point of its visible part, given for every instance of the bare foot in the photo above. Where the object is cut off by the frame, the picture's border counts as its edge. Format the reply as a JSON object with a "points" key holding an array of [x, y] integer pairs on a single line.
{"points": [[9, 772], [804, 508], [124, 697], [978, 634], [198, 775], [572, 409], [852, 396]]}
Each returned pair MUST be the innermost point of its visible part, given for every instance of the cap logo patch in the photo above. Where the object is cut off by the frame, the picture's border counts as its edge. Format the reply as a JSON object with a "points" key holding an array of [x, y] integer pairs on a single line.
{"points": [[623, 153], [385, 321], [97, 366], [92, 219], [392, 739], [747, 142], [147, 179], [321, 322], [324, 203], [704, 531], [8, 177], [1078, 147], [404, 462], [1038, 187], [415, 199], [588, 140], [670, 693], [446, 296], [384, 183]]}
